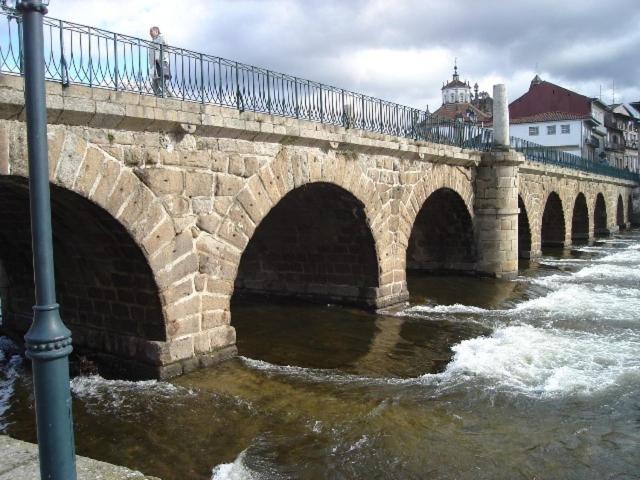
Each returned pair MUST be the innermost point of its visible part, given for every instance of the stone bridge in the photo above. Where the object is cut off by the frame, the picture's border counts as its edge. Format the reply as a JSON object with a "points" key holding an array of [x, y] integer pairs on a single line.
{"points": [[163, 210]]}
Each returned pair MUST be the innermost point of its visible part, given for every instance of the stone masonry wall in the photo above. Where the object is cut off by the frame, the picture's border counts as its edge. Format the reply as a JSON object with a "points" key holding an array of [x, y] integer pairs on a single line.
{"points": [[536, 182], [190, 186]]}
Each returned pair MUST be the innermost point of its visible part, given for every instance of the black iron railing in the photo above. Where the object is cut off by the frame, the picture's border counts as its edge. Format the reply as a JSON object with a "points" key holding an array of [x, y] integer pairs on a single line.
{"points": [[83, 55]]}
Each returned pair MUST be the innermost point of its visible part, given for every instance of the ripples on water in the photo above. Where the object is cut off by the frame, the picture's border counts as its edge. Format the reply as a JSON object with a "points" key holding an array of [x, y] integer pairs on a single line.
{"points": [[478, 378]]}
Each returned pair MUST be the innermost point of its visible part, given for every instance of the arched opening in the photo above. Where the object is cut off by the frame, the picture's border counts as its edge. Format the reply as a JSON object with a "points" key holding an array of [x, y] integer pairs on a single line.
{"points": [[580, 219], [620, 214], [107, 293], [553, 227], [524, 231], [314, 244], [629, 209], [442, 235], [600, 217]]}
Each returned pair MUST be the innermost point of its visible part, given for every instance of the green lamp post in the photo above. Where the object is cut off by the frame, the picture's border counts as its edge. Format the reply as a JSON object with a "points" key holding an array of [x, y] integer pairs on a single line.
{"points": [[48, 341]]}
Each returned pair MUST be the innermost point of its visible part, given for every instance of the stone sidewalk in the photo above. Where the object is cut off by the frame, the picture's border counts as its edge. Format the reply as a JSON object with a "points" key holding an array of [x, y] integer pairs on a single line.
{"points": [[19, 461]]}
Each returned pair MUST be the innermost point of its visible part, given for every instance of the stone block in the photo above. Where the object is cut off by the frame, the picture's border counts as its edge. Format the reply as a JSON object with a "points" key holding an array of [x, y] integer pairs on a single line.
{"points": [[177, 293], [186, 266], [182, 309], [162, 180], [161, 233], [202, 205], [219, 162], [217, 302], [109, 172], [228, 231], [228, 185], [215, 318], [209, 223], [77, 110], [199, 184], [179, 246], [236, 165], [222, 336], [179, 349], [71, 156]]}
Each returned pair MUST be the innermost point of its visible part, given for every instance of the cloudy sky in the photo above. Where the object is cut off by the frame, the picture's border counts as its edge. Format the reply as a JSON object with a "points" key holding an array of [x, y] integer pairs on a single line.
{"points": [[400, 50]]}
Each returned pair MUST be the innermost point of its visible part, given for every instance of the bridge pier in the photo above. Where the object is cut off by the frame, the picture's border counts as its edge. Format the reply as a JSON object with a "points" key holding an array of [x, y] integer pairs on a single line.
{"points": [[496, 198], [496, 213], [635, 207]]}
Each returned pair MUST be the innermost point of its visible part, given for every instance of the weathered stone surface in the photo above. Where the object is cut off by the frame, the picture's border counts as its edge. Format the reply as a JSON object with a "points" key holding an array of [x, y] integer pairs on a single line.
{"points": [[242, 201], [19, 460]]}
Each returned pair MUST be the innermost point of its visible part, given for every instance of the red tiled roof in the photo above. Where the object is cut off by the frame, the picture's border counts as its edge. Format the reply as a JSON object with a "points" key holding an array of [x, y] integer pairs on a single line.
{"points": [[548, 117], [546, 97], [451, 110]]}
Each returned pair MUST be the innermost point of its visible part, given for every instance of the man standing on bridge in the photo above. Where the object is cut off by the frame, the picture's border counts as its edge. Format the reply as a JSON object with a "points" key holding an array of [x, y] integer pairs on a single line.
{"points": [[159, 63]]}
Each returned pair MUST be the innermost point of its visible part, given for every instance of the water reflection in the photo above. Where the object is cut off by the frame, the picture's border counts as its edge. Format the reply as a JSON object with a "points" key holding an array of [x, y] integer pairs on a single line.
{"points": [[535, 378]]}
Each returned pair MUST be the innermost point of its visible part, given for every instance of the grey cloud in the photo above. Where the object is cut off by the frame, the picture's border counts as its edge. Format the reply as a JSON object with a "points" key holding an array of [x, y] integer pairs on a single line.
{"points": [[491, 37]]}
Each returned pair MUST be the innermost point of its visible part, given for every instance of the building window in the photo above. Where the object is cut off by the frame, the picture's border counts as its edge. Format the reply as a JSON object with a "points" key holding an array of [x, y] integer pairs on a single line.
{"points": [[565, 128], [533, 131], [551, 129]]}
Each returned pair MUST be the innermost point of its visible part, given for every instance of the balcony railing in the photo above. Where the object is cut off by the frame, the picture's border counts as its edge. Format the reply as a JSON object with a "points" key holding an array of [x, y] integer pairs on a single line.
{"points": [[83, 55]]}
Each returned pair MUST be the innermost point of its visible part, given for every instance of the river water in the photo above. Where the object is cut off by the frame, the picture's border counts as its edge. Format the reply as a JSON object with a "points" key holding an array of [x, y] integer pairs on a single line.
{"points": [[477, 379]]}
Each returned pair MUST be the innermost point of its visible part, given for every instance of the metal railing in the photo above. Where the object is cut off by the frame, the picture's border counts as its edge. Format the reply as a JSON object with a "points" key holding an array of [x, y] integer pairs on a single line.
{"points": [[84, 55], [542, 154]]}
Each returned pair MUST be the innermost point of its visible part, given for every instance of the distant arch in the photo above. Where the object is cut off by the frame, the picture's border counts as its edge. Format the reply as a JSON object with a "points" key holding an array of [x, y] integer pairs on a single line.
{"points": [[524, 231], [600, 225], [553, 232], [580, 219], [442, 235], [620, 214]]}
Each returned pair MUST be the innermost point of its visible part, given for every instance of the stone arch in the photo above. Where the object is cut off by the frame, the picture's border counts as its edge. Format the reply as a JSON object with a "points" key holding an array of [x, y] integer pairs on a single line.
{"points": [[108, 223], [290, 170], [524, 230], [531, 200], [600, 225], [441, 176], [620, 222], [315, 243], [442, 237], [553, 231], [580, 219]]}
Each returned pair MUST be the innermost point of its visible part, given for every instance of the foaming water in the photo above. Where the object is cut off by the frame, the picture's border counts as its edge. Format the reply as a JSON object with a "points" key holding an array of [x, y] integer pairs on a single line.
{"points": [[544, 370], [122, 395], [545, 362], [236, 470], [10, 371], [430, 309]]}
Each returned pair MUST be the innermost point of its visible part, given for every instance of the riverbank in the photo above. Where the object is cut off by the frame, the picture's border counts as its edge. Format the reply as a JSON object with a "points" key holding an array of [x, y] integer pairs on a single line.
{"points": [[19, 461]]}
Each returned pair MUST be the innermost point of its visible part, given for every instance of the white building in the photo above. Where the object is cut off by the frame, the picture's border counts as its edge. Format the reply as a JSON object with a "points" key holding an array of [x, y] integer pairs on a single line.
{"points": [[456, 91], [556, 117]]}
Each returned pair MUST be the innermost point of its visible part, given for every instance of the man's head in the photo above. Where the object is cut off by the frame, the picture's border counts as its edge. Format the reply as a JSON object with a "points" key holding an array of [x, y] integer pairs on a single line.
{"points": [[154, 32]]}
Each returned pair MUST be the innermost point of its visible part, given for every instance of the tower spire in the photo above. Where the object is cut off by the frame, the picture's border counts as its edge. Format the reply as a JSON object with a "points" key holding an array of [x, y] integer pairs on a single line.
{"points": [[455, 68]]}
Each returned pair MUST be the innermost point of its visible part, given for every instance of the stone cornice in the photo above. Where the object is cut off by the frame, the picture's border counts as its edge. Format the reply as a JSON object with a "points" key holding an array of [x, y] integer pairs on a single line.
{"points": [[108, 109]]}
